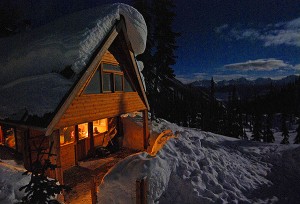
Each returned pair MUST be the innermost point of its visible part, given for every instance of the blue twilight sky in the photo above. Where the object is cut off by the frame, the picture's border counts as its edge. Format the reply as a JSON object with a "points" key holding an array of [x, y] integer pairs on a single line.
{"points": [[237, 38], [225, 39]]}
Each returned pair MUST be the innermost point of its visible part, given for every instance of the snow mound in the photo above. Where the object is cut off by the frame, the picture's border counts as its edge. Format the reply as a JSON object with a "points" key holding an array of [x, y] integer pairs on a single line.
{"points": [[201, 167], [11, 179], [67, 42]]}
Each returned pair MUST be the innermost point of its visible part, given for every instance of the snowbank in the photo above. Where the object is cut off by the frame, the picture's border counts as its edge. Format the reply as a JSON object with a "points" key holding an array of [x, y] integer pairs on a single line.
{"points": [[39, 54], [11, 179], [200, 167]]}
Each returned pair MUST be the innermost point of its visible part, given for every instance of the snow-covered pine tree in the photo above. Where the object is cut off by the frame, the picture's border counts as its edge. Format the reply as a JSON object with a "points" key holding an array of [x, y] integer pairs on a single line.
{"points": [[297, 138], [284, 129]]}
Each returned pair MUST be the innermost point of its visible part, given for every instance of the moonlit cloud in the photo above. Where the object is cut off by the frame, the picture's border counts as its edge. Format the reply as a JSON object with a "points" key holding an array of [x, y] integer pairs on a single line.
{"points": [[282, 33], [297, 67], [221, 28], [259, 65]]}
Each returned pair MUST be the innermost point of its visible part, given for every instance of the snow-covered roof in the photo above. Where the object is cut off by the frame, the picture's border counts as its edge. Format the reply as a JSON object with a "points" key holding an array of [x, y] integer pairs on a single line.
{"points": [[30, 62]]}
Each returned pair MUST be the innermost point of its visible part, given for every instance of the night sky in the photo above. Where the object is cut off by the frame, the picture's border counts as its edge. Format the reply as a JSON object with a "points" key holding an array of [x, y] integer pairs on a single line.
{"points": [[221, 38], [237, 38]]}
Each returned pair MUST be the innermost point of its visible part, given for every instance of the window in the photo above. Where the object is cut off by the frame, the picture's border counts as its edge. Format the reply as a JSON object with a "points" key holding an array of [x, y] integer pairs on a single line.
{"points": [[67, 135], [107, 82], [7, 136], [100, 126], [108, 78], [83, 131]]}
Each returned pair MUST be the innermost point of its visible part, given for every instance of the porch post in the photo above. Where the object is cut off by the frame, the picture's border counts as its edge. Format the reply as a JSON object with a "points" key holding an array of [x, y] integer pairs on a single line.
{"points": [[91, 136], [76, 145], [55, 137], [145, 129]]}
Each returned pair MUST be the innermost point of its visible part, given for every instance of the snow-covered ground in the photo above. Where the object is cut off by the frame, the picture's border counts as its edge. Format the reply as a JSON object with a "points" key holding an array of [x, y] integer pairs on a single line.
{"points": [[11, 179], [201, 167], [194, 167]]}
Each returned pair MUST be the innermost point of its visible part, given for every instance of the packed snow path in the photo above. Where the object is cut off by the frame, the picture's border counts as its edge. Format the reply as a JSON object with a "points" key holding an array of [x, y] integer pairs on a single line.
{"points": [[200, 167]]}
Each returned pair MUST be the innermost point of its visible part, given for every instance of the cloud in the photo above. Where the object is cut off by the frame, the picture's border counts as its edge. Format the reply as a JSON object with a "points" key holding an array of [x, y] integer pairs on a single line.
{"points": [[282, 33], [297, 67], [259, 65], [221, 28]]}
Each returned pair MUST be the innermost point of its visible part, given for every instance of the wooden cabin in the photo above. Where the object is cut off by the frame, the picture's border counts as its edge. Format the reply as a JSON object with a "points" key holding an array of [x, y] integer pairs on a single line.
{"points": [[92, 113]]}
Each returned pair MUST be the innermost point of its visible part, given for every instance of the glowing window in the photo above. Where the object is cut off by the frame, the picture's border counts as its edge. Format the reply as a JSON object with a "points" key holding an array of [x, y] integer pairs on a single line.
{"points": [[100, 126], [83, 131], [9, 138], [67, 135]]}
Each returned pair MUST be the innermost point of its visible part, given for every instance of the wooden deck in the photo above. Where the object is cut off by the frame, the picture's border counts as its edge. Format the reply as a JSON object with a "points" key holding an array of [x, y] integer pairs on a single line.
{"points": [[79, 177]]}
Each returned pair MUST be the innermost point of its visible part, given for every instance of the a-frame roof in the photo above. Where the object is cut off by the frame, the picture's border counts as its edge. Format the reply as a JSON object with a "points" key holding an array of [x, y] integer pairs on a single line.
{"points": [[37, 89]]}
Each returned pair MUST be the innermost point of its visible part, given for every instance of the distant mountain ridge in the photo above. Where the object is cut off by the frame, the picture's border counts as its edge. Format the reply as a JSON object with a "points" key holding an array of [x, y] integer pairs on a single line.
{"points": [[245, 82]]}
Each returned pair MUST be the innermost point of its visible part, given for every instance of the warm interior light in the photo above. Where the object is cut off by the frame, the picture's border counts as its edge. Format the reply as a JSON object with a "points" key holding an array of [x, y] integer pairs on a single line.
{"points": [[67, 135], [83, 131], [100, 126]]}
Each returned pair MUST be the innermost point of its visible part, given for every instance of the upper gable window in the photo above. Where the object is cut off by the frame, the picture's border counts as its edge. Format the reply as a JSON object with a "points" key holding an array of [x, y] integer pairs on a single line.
{"points": [[108, 78]]}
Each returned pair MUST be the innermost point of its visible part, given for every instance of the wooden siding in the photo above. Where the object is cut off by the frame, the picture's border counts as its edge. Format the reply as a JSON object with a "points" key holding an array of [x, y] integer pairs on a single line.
{"points": [[67, 156], [109, 58], [92, 107]]}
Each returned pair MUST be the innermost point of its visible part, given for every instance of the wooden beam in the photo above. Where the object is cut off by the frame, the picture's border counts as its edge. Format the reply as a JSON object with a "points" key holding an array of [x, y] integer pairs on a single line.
{"points": [[146, 133], [91, 136], [76, 144], [55, 137]]}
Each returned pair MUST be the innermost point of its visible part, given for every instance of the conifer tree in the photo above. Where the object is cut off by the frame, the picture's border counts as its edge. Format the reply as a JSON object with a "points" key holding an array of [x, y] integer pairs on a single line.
{"points": [[285, 132], [297, 138], [42, 189], [268, 134], [257, 133], [164, 37]]}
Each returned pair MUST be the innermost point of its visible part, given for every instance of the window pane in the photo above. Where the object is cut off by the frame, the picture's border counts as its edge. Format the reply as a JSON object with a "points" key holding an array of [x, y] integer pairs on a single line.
{"points": [[67, 135], [94, 85], [127, 86], [119, 82], [110, 67], [9, 135], [100, 126], [83, 131], [107, 82]]}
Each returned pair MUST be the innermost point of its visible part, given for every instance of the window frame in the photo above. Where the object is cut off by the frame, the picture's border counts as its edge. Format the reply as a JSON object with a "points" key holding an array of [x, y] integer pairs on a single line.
{"points": [[113, 74]]}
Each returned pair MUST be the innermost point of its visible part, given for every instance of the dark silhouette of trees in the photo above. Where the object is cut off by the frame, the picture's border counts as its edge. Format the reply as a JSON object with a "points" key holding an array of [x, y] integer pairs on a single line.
{"points": [[297, 138], [257, 129], [268, 134], [234, 127], [284, 129]]}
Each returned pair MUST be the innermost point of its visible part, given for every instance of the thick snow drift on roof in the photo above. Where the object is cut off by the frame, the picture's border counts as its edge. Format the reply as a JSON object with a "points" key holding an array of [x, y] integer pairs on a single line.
{"points": [[69, 41], [201, 167]]}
